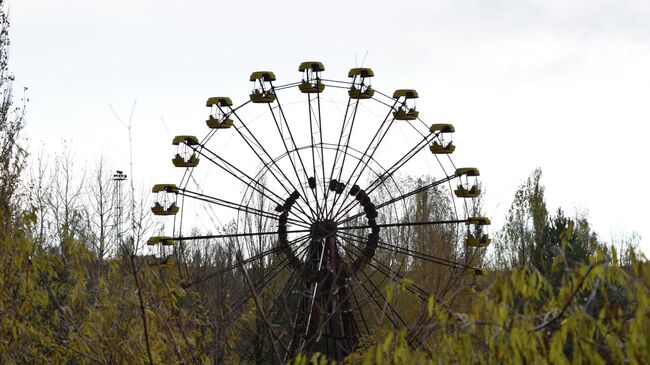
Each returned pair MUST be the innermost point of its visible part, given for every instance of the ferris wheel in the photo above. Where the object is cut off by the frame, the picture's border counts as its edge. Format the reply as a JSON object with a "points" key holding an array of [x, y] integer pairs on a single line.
{"points": [[332, 190]]}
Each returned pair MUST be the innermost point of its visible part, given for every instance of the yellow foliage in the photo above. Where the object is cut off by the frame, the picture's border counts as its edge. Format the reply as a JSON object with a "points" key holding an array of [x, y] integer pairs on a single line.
{"points": [[600, 315], [62, 306]]}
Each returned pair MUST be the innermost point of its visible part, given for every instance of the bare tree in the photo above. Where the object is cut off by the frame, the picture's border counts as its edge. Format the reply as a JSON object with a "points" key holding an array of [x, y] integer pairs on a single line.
{"points": [[142, 222], [65, 199], [38, 188], [100, 204], [626, 245]]}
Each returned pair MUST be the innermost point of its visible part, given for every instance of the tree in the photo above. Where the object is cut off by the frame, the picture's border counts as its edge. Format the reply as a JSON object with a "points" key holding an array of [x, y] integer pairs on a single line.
{"points": [[100, 200], [12, 155], [532, 237], [65, 199], [524, 227], [38, 189]]}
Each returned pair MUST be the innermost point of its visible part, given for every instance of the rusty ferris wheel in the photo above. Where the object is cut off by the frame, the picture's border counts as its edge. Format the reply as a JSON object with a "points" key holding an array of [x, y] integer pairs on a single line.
{"points": [[316, 207]]}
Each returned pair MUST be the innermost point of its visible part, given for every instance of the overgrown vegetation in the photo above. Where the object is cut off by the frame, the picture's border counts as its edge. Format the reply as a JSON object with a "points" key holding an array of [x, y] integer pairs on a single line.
{"points": [[598, 314], [72, 294]]}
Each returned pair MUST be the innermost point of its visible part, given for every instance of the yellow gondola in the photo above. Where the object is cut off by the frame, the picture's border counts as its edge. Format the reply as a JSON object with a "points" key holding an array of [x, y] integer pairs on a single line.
{"points": [[404, 112], [480, 237], [181, 158], [163, 209], [222, 120], [359, 88], [263, 91], [464, 190], [311, 82], [444, 145]]}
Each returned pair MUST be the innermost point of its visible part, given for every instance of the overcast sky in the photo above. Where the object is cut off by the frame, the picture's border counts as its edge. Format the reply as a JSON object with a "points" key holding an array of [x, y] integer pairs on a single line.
{"points": [[561, 85]]}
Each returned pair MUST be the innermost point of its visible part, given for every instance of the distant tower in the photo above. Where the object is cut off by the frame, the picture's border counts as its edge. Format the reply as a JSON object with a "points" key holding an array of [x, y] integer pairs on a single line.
{"points": [[118, 179]]}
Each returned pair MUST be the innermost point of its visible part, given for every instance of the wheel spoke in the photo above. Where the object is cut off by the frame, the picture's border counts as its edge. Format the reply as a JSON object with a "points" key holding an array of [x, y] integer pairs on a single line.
{"points": [[294, 148], [233, 235], [416, 254], [313, 154], [390, 272], [291, 158], [338, 145], [229, 167], [375, 287], [401, 197], [322, 155], [404, 224], [264, 152], [243, 262], [365, 153], [284, 263], [403, 160], [235, 206], [343, 210]]}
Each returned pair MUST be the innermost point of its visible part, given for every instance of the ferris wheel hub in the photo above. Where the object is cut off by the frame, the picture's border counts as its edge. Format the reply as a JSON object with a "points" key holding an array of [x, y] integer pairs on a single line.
{"points": [[323, 229]]}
